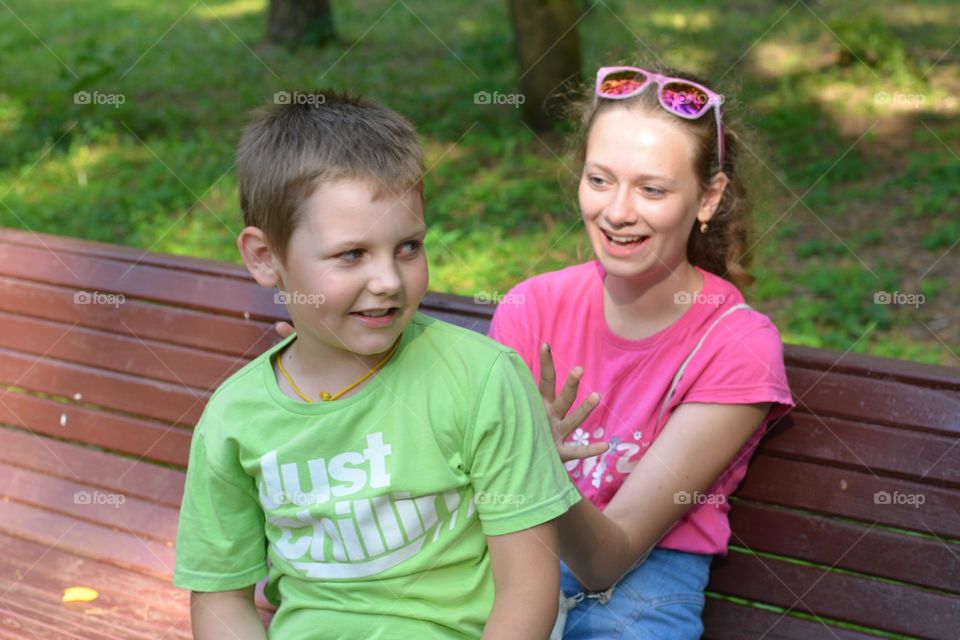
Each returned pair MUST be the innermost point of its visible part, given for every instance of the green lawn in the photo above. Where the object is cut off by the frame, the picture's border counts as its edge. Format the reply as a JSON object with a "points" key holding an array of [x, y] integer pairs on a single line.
{"points": [[853, 108]]}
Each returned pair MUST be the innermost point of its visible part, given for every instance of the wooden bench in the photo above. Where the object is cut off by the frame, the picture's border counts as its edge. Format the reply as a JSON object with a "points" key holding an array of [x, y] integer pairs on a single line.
{"points": [[849, 515]]}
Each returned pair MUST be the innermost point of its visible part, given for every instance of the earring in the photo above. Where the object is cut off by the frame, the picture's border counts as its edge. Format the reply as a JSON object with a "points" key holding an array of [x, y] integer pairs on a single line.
{"points": [[703, 227]]}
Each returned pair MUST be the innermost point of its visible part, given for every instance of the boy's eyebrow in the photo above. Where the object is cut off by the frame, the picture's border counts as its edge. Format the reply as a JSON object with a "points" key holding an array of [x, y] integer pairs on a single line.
{"points": [[348, 245], [643, 176]]}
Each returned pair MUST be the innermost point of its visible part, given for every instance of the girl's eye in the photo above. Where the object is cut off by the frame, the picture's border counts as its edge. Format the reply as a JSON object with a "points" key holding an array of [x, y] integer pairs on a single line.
{"points": [[652, 191], [596, 181]]}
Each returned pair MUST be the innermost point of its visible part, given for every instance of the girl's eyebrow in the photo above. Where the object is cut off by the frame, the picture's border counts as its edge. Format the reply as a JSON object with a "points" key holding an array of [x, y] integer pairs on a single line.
{"points": [[643, 176]]}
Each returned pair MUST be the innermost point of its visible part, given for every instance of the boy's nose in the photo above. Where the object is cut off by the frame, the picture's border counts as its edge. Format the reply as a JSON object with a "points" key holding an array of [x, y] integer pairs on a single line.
{"points": [[385, 280]]}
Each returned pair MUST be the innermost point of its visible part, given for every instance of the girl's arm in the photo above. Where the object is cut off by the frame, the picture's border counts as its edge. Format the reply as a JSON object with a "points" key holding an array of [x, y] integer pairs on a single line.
{"points": [[526, 573], [695, 446], [226, 614]]}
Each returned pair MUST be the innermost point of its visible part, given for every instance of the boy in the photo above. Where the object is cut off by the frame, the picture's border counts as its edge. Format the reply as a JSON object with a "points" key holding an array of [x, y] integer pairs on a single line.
{"points": [[396, 471]]}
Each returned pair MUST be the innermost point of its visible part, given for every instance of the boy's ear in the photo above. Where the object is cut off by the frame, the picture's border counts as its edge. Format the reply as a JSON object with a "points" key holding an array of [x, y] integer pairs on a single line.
{"points": [[258, 257]]}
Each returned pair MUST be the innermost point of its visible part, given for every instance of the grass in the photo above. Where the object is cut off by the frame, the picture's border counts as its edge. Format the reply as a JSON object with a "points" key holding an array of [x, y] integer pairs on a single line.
{"points": [[853, 108]]}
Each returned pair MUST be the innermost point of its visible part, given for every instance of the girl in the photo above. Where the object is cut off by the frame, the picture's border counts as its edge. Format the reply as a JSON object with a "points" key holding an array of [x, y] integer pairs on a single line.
{"points": [[675, 377]]}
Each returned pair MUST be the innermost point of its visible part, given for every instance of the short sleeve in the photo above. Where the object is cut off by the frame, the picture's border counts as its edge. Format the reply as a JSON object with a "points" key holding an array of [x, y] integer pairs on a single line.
{"points": [[221, 542], [743, 366], [515, 324], [516, 473]]}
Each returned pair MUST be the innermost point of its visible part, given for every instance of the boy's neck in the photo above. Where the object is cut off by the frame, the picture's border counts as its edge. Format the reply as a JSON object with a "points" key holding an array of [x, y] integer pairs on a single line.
{"points": [[317, 367], [638, 308]]}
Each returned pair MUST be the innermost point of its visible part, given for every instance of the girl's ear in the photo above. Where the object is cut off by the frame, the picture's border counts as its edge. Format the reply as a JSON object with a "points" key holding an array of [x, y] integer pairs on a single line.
{"points": [[710, 199], [258, 257]]}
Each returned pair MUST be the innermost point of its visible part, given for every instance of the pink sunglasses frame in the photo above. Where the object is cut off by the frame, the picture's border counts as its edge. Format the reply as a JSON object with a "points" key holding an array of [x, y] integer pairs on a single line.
{"points": [[714, 100]]}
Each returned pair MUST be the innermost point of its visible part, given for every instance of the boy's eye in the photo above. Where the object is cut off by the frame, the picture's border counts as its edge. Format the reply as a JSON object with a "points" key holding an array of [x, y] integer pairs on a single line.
{"points": [[412, 247], [353, 254]]}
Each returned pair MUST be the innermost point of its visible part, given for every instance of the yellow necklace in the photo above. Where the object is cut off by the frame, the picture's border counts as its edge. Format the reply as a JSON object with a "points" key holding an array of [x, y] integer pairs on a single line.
{"points": [[323, 394]]}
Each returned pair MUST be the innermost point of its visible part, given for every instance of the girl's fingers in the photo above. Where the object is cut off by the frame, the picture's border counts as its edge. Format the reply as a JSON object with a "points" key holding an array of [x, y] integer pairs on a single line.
{"points": [[569, 452], [548, 377], [569, 392], [579, 415]]}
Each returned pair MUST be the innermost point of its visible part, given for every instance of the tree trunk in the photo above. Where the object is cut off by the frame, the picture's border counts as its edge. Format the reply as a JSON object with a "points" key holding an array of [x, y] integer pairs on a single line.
{"points": [[294, 23], [548, 52]]}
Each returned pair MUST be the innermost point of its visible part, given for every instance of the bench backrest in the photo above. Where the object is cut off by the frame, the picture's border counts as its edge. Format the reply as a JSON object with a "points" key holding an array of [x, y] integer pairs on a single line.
{"points": [[850, 512]]}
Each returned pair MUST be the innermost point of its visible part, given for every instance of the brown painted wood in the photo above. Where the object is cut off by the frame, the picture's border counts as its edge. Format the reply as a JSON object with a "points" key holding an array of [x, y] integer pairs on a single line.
{"points": [[114, 509], [725, 620], [154, 441], [851, 494], [237, 337], [847, 598], [867, 549], [891, 451], [84, 385], [97, 469], [85, 539], [195, 370]]}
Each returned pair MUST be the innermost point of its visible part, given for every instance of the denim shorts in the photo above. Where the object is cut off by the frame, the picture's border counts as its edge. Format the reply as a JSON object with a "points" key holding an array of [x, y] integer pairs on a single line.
{"points": [[662, 598]]}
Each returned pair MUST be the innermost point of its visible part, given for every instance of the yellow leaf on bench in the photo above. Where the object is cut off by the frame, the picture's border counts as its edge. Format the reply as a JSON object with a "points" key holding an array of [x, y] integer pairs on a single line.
{"points": [[80, 594]]}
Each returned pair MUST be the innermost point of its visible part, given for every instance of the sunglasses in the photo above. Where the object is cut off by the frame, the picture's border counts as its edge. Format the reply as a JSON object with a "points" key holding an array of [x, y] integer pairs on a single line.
{"points": [[680, 97]]}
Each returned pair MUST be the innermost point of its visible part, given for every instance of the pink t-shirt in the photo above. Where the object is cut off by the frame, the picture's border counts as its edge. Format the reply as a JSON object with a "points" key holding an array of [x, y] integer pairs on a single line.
{"points": [[740, 362]]}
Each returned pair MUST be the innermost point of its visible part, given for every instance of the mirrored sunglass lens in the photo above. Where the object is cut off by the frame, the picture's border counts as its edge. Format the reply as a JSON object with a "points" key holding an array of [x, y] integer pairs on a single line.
{"points": [[684, 99], [621, 83]]}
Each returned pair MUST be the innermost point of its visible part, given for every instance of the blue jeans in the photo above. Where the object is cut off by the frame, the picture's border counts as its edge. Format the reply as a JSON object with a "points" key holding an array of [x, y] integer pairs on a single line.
{"points": [[662, 598]]}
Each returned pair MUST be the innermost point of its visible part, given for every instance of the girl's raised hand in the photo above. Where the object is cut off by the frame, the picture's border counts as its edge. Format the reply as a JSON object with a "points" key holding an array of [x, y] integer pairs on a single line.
{"points": [[284, 329], [557, 407]]}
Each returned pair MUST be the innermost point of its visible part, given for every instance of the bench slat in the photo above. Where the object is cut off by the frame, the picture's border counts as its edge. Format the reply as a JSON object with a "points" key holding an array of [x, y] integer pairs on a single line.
{"points": [[860, 398], [153, 440], [725, 620], [150, 321], [97, 469], [833, 542], [147, 520], [913, 455], [196, 370], [849, 598], [86, 539], [851, 494], [119, 391]]}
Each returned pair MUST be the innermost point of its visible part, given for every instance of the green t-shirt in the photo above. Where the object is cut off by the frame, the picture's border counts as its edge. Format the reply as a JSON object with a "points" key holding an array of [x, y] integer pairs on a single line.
{"points": [[373, 510]]}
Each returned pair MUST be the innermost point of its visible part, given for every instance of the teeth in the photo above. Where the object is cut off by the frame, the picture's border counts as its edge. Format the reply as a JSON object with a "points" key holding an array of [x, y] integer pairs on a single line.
{"points": [[375, 314], [623, 239]]}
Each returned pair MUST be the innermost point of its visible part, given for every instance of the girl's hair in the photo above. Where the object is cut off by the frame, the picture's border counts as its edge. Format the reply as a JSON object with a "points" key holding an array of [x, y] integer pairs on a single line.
{"points": [[723, 249]]}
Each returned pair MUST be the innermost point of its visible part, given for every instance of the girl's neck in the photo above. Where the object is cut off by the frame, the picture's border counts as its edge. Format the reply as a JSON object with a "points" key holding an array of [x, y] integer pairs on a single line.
{"points": [[636, 308]]}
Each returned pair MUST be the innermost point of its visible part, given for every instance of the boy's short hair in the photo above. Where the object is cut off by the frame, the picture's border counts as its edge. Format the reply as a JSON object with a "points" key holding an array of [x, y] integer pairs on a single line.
{"points": [[289, 149]]}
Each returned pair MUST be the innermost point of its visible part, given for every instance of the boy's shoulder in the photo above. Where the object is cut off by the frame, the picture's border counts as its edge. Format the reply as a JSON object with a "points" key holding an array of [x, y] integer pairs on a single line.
{"points": [[435, 337], [247, 382]]}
